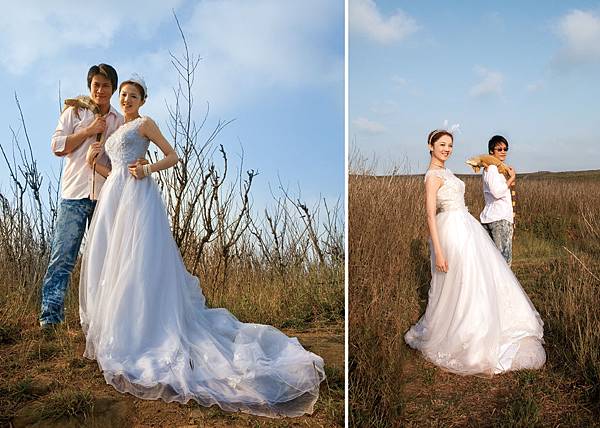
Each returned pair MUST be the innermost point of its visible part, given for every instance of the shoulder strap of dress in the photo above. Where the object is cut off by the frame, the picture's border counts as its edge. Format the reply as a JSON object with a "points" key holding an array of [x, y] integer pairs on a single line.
{"points": [[436, 173]]}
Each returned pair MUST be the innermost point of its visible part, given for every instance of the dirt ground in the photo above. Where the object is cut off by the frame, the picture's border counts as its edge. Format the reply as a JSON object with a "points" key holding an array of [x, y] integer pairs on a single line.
{"points": [[48, 383]]}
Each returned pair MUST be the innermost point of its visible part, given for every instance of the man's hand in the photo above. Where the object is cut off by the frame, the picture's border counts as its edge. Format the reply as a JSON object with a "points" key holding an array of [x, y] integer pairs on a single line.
{"points": [[512, 176], [98, 126]]}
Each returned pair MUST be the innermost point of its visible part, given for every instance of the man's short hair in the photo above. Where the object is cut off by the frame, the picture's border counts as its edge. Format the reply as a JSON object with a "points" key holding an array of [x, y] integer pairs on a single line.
{"points": [[103, 70], [494, 141]]}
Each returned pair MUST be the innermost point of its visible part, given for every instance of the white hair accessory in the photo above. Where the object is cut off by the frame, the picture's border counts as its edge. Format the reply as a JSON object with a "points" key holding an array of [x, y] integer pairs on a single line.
{"points": [[136, 78], [453, 128]]}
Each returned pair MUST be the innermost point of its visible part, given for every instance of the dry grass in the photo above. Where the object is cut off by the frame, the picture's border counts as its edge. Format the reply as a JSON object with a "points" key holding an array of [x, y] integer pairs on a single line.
{"points": [[556, 259]]}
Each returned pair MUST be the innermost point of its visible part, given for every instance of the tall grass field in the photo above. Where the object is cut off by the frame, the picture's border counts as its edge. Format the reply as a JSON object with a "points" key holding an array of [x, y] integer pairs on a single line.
{"points": [[557, 260]]}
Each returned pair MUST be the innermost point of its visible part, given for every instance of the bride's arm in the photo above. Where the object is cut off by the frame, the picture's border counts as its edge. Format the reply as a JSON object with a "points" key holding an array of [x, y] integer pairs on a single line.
{"points": [[149, 129], [432, 184]]}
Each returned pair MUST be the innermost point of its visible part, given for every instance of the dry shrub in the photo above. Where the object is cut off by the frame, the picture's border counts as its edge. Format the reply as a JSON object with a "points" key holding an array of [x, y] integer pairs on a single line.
{"points": [[303, 284]]}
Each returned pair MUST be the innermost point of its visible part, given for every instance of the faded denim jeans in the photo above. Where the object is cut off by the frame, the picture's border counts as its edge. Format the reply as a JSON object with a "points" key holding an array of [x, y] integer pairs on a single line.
{"points": [[73, 214], [501, 232]]}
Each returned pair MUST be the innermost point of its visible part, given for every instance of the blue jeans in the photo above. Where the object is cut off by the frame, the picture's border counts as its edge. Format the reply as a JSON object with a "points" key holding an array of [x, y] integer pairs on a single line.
{"points": [[501, 232], [73, 214]]}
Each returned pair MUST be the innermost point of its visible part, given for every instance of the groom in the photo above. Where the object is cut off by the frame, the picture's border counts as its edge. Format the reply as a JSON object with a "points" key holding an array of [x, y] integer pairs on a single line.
{"points": [[77, 130], [497, 215]]}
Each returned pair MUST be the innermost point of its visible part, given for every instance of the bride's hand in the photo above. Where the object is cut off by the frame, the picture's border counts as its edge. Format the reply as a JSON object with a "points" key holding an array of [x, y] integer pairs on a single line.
{"points": [[441, 264], [93, 152], [137, 169]]}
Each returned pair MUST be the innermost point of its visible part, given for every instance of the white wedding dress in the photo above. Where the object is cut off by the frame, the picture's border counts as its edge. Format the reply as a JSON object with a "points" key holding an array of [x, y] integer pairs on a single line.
{"points": [[145, 318], [478, 318]]}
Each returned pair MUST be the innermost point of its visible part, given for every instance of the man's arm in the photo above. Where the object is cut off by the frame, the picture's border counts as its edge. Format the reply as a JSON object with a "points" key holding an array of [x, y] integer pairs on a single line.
{"points": [[65, 140], [495, 182]]}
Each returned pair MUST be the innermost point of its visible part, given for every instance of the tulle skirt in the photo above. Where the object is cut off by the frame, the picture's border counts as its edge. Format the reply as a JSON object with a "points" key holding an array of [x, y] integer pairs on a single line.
{"points": [[478, 318], [147, 325]]}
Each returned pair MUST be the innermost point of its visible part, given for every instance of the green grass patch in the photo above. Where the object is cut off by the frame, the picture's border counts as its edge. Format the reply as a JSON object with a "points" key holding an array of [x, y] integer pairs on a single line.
{"points": [[26, 390], [76, 404], [335, 378], [523, 411], [45, 351], [528, 246], [77, 363], [527, 377]]}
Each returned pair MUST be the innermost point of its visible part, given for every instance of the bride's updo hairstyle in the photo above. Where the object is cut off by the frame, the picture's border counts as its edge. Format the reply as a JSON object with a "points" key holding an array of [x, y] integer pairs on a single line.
{"points": [[139, 83], [436, 135]]}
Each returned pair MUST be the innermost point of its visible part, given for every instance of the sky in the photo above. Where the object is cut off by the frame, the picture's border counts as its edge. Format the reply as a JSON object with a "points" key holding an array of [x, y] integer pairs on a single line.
{"points": [[527, 70], [275, 67]]}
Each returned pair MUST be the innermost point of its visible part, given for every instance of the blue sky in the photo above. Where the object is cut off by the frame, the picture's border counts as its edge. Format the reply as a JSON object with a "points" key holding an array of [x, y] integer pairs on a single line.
{"points": [[525, 69], [276, 67]]}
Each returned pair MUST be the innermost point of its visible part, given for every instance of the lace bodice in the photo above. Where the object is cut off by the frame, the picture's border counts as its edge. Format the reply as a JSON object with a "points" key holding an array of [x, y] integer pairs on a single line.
{"points": [[126, 145], [451, 195]]}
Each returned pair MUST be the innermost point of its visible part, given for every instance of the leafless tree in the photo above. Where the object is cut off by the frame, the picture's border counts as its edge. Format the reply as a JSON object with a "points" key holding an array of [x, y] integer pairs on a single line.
{"points": [[25, 224], [204, 205]]}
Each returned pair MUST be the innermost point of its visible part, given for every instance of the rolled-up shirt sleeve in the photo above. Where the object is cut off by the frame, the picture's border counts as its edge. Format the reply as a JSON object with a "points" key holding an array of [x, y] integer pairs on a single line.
{"points": [[495, 182], [65, 127]]}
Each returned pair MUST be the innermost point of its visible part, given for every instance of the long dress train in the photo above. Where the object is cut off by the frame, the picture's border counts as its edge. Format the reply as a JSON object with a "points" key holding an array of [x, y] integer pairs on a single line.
{"points": [[145, 318], [478, 318]]}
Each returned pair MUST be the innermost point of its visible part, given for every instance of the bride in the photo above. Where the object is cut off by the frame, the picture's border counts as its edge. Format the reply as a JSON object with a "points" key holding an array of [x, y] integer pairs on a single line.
{"points": [[144, 316], [478, 318]]}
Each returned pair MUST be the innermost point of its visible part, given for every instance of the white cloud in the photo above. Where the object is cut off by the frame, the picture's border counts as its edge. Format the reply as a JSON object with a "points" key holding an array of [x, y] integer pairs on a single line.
{"points": [[494, 20], [368, 126], [536, 86], [365, 18], [490, 83], [153, 66], [398, 81], [580, 32], [248, 49], [385, 108], [251, 46], [40, 30]]}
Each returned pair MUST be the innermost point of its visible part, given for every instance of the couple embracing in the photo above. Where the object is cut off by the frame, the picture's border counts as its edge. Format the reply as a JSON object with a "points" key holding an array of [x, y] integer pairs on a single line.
{"points": [[478, 320], [143, 314]]}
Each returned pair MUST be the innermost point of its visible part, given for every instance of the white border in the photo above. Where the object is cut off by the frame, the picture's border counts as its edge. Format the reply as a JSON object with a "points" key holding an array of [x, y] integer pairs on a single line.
{"points": [[346, 283]]}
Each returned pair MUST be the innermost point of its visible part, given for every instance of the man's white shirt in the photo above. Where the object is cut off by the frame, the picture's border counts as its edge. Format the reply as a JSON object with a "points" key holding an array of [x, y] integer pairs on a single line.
{"points": [[498, 202], [76, 181]]}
